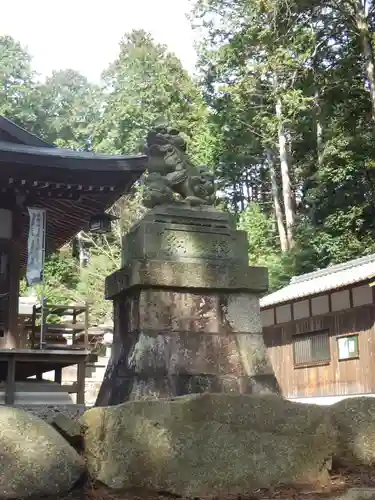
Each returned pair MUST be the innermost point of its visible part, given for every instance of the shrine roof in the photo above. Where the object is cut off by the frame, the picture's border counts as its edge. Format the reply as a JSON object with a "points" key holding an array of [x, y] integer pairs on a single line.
{"points": [[11, 152], [11, 132], [71, 185]]}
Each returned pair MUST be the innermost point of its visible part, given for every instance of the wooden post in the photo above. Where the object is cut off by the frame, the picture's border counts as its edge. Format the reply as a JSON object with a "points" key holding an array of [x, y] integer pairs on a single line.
{"points": [[81, 375], [87, 326], [58, 375], [33, 328], [10, 388], [74, 323], [43, 321], [12, 334]]}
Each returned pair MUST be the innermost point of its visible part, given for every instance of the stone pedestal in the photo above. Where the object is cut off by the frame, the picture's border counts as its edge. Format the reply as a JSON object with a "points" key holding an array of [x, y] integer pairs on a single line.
{"points": [[186, 310]]}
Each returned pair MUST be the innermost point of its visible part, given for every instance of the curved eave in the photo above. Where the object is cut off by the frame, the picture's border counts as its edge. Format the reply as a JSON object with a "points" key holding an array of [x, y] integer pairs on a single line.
{"points": [[97, 180], [12, 132], [30, 165], [65, 158], [65, 218]]}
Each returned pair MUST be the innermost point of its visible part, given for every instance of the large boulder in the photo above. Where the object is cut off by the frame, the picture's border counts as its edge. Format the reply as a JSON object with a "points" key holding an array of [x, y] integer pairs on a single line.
{"points": [[35, 460], [208, 444], [69, 429], [354, 419]]}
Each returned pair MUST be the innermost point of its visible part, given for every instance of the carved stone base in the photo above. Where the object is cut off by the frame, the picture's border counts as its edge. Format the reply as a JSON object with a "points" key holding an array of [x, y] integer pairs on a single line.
{"points": [[183, 324], [185, 235]]}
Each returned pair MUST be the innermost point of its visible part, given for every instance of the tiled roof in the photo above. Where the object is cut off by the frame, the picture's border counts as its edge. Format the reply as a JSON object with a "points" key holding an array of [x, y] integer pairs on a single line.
{"points": [[28, 153], [353, 271], [10, 131]]}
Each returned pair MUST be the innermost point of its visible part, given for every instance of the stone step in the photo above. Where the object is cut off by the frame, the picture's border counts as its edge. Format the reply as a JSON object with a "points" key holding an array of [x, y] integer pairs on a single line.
{"points": [[97, 375], [91, 392], [94, 376]]}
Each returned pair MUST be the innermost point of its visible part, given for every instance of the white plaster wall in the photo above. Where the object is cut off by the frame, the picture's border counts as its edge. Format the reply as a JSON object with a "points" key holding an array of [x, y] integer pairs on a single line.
{"points": [[319, 305], [301, 309], [268, 317], [340, 300], [283, 313], [362, 295]]}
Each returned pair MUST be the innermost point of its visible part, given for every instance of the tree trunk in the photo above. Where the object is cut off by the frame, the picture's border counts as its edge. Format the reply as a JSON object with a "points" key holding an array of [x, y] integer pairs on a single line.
{"points": [[263, 177], [367, 50], [317, 100], [285, 177], [318, 127], [276, 204]]}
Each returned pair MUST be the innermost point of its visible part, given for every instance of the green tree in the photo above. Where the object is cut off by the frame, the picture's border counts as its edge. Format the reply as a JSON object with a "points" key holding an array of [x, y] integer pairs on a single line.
{"points": [[17, 87], [106, 256], [61, 277], [69, 110], [253, 57], [337, 215], [264, 248], [286, 79], [147, 84], [261, 231]]}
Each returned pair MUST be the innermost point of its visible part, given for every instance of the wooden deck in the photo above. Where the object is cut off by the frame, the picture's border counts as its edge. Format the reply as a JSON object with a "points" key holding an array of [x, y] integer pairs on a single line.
{"points": [[21, 364]]}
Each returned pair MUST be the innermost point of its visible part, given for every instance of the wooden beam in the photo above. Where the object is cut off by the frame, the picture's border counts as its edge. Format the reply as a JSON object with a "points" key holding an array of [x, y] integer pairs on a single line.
{"points": [[70, 307], [32, 387], [33, 329], [87, 326], [58, 375], [81, 375], [351, 298], [62, 328], [63, 358]]}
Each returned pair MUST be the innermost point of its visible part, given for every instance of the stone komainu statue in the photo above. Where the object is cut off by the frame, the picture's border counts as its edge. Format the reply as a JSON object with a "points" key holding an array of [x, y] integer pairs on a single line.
{"points": [[172, 178]]}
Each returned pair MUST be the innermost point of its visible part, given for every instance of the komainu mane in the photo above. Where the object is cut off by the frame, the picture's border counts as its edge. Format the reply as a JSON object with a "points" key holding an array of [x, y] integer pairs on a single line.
{"points": [[172, 178]]}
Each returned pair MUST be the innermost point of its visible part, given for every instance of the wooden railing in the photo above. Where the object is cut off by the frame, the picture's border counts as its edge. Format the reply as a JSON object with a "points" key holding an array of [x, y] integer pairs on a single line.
{"points": [[71, 334]]}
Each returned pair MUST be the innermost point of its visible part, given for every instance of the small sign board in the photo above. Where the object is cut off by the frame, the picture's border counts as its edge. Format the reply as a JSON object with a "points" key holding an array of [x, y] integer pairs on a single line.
{"points": [[35, 245]]}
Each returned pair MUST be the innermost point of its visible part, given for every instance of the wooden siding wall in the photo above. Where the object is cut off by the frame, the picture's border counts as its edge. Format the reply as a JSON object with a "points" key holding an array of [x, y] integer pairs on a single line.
{"points": [[344, 377]]}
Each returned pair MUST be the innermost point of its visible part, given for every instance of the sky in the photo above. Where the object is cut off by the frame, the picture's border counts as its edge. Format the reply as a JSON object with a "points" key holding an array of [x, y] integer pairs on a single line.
{"points": [[84, 34]]}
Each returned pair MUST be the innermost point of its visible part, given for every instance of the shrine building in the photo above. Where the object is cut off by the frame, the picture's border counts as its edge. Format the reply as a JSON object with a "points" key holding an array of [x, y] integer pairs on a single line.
{"points": [[73, 187]]}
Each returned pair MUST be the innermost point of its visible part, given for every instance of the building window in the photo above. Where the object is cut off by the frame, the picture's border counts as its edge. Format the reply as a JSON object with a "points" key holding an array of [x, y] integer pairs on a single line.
{"points": [[348, 347], [311, 349]]}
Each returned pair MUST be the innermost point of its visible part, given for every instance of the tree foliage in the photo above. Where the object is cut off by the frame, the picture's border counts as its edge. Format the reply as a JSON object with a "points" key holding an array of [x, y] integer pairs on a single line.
{"points": [[69, 110], [17, 97], [145, 85], [299, 68], [283, 112]]}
